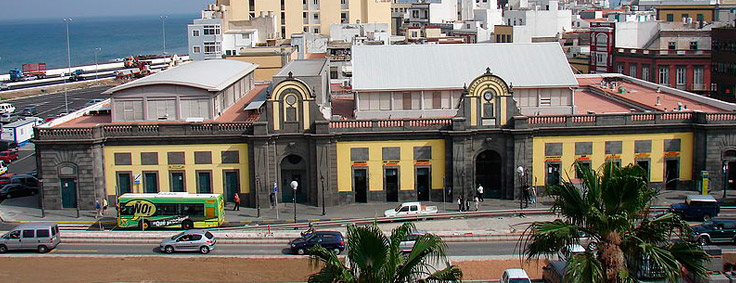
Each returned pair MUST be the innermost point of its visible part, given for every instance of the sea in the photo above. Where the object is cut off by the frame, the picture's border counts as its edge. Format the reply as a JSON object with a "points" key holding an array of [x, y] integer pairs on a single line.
{"points": [[30, 41]]}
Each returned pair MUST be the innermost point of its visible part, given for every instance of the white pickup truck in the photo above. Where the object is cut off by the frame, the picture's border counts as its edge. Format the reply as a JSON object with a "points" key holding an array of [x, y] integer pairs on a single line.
{"points": [[410, 208]]}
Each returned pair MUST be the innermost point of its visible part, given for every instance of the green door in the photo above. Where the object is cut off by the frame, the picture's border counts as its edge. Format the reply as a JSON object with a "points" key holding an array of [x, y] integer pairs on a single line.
{"points": [[68, 192], [150, 182], [177, 181], [204, 182], [124, 185], [231, 185]]}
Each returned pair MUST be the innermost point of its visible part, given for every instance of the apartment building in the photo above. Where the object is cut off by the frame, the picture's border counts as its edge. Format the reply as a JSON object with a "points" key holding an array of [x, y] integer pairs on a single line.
{"points": [[314, 16]]}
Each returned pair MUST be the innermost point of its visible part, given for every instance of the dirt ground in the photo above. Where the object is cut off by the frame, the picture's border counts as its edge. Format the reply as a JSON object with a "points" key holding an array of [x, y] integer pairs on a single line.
{"points": [[196, 269]]}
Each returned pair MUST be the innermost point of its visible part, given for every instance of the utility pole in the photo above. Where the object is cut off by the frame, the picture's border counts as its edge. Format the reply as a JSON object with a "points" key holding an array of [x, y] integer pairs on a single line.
{"points": [[163, 25], [69, 70], [97, 50], [322, 178], [258, 199]]}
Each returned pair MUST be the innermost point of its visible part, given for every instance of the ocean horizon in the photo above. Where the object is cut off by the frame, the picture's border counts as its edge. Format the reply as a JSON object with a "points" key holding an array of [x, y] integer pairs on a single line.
{"points": [[44, 40]]}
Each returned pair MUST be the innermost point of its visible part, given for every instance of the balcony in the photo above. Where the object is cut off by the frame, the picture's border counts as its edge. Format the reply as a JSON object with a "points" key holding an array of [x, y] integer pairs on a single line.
{"points": [[390, 125], [143, 131]]}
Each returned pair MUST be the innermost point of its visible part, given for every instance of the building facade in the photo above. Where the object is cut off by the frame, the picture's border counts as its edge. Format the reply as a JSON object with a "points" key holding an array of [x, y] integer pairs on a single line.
{"points": [[285, 131], [724, 63]]}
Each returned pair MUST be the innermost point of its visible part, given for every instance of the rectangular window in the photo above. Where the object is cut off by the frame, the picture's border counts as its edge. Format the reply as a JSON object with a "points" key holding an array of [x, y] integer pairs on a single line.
{"points": [[231, 157], [613, 147], [212, 48], [406, 103], [643, 146], [685, 16], [175, 158], [195, 32], [196, 49], [583, 148], [204, 182], [149, 158], [211, 30], [693, 45], [700, 17], [671, 45], [422, 152], [664, 75], [358, 154], [150, 182], [202, 157], [672, 145], [670, 17], [645, 73], [698, 78], [680, 76], [391, 153], [632, 70], [128, 110], [553, 149], [585, 166], [620, 68], [436, 100], [122, 158], [177, 181], [161, 109]]}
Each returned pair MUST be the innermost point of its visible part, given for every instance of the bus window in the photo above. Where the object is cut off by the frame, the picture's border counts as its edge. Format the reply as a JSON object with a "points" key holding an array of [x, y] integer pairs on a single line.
{"points": [[166, 209], [192, 209], [126, 210]]}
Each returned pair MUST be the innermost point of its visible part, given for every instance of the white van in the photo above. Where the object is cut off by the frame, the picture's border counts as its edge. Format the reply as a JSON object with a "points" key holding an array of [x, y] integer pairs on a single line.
{"points": [[515, 275], [7, 108]]}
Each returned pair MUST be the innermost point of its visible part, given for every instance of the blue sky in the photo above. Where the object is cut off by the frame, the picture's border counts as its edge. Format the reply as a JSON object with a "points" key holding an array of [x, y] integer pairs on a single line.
{"points": [[51, 9]]}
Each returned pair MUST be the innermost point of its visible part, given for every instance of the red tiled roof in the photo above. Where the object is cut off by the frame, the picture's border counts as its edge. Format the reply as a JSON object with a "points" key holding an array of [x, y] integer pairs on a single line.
{"points": [[343, 107], [587, 101]]}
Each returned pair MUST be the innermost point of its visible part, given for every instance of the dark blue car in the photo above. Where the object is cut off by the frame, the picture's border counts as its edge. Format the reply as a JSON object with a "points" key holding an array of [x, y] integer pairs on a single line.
{"points": [[331, 240], [697, 207]]}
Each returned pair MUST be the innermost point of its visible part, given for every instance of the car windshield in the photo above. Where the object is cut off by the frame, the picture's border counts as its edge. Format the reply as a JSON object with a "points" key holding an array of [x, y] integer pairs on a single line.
{"points": [[397, 208], [177, 236], [519, 280]]}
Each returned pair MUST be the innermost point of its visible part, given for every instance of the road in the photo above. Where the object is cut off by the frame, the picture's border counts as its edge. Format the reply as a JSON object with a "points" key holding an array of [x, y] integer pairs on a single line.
{"points": [[53, 104], [454, 249]]}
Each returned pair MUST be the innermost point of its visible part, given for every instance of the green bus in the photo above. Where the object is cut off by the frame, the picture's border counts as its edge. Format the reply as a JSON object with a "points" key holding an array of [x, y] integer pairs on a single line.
{"points": [[170, 210]]}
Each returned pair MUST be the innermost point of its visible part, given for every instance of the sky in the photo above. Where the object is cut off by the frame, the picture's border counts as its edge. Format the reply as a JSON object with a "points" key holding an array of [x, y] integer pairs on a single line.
{"points": [[57, 9]]}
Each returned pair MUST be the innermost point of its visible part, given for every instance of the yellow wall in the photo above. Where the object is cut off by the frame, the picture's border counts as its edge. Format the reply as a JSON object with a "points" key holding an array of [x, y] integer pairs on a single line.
{"points": [[189, 167], [627, 156], [268, 65], [375, 164], [691, 11]]}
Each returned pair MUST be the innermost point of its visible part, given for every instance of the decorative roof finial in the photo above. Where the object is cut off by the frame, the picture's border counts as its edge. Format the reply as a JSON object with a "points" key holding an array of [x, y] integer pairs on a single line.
{"points": [[291, 75], [488, 71]]}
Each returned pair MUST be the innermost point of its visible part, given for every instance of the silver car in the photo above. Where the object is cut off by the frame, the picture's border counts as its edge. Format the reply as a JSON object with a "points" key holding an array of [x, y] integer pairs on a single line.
{"points": [[40, 236], [407, 244], [190, 241]]}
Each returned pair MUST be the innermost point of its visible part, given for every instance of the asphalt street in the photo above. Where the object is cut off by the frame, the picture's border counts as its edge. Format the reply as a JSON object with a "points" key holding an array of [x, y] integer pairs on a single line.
{"points": [[454, 249], [52, 104]]}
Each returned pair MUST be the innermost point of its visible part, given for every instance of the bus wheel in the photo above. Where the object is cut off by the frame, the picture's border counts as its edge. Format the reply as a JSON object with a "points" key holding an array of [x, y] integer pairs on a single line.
{"points": [[144, 225], [187, 224]]}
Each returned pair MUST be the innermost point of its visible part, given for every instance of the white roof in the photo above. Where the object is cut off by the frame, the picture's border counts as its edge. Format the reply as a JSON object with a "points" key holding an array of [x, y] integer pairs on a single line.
{"points": [[211, 75], [704, 198], [450, 66], [516, 273], [168, 195]]}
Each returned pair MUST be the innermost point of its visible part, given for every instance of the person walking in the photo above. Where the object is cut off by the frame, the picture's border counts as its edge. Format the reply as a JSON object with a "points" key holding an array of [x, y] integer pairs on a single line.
{"points": [[98, 209], [236, 199], [480, 192], [460, 203], [272, 199], [104, 206], [477, 203], [533, 195], [525, 196]]}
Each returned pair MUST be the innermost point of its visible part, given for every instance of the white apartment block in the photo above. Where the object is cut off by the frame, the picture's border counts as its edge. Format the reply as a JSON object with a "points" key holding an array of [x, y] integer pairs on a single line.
{"points": [[537, 22]]}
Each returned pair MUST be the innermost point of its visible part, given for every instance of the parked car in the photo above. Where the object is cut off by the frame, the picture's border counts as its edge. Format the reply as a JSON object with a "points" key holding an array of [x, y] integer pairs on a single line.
{"points": [[7, 108], [40, 236], [189, 241], [20, 185], [93, 102], [407, 244], [697, 207], [331, 240], [410, 208], [716, 230], [8, 145], [3, 168], [515, 275], [554, 272], [4, 86], [5, 178], [48, 119], [29, 111], [8, 155], [8, 117]]}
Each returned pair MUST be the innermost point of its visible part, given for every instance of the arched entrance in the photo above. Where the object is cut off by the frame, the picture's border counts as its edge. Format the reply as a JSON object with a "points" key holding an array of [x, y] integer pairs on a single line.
{"points": [[294, 168], [729, 167], [488, 173]]}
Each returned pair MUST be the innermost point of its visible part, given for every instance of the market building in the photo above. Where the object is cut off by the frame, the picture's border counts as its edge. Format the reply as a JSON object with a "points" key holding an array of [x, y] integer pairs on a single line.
{"points": [[427, 123]]}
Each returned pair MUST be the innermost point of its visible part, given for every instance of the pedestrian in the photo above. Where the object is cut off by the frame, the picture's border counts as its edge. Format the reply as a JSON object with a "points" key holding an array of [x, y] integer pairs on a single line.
{"points": [[480, 192], [533, 195], [104, 206], [467, 204], [98, 210], [477, 203], [460, 203], [272, 198], [236, 199], [525, 196]]}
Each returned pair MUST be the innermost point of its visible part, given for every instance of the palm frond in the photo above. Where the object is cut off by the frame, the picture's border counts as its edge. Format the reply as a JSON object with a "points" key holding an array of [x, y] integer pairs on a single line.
{"points": [[584, 267], [428, 249], [547, 238], [692, 257], [451, 273], [333, 271]]}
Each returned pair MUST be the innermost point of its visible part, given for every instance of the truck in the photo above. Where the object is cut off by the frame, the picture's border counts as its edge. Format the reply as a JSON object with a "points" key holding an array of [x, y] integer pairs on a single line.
{"points": [[30, 71], [409, 209], [19, 131]]}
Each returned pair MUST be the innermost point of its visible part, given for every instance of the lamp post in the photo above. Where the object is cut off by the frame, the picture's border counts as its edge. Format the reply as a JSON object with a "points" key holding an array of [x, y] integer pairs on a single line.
{"points": [[163, 26], [294, 184], [258, 199], [725, 178], [322, 178], [97, 50], [520, 173], [69, 65]]}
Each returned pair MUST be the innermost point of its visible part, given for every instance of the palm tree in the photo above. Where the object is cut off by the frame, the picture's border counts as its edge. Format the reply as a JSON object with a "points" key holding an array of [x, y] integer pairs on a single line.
{"points": [[373, 257], [612, 208]]}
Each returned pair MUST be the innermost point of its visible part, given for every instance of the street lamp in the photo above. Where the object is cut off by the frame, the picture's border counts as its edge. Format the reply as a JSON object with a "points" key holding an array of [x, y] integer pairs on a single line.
{"points": [[294, 184], [97, 50], [520, 173], [258, 199], [725, 178], [163, 25], [69, 64], [322, 178]]}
